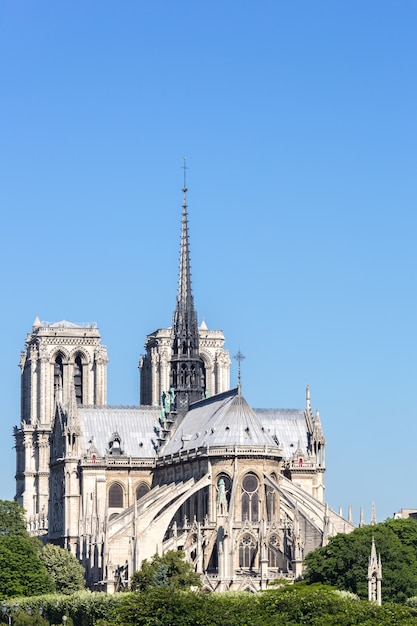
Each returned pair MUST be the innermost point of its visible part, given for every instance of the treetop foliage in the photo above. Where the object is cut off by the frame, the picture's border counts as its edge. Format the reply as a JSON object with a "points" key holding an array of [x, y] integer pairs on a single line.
{"points": [[65, 571], [21, 569], [27, 568], [12, 519], [343, 563], [169, 570]]}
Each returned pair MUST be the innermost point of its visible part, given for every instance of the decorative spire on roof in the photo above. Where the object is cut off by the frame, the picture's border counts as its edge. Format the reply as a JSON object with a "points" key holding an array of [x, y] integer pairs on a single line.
{"points": [[37, 323], [374, 576], [187, 368], [185, 300], [318, 442], [373, 515], [308, 411], [239, 357]]}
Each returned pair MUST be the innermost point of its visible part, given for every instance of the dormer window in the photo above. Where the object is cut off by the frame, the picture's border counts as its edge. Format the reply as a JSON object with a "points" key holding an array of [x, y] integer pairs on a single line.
{"points": [[115, 445]]}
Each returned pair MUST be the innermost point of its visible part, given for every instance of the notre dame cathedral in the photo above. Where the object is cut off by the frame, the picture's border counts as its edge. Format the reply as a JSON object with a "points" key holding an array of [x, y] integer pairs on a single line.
{"points": [[193, 468]]}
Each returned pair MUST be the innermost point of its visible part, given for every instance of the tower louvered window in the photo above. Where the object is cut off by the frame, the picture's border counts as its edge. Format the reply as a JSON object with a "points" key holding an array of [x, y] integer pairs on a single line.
{"points": [[58, 374], [78, 379]]}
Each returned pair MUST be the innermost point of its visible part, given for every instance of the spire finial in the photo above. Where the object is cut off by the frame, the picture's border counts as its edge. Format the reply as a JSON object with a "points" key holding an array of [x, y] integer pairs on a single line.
{"points": [[239, 357], [185, 168], [373, 516]]}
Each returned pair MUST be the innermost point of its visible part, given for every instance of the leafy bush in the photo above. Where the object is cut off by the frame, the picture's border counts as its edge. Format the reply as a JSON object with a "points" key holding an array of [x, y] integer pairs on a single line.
{"points": [[290, 606]]}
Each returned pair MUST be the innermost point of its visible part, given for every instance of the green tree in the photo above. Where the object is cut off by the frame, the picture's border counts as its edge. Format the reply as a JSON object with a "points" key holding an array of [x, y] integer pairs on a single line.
{"points": [[22, 572], [169, 570], [12, 519], [64, 569], [343, 563]]}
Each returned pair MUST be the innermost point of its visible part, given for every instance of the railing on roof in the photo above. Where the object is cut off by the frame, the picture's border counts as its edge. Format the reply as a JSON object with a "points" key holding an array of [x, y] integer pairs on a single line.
{"points": [[66, 324], [121, 461], [235, 450]]}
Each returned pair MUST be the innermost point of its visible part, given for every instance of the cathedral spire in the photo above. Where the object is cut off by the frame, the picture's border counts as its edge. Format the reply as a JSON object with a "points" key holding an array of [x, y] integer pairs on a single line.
{"points": [[187, 368], [185, 302]]}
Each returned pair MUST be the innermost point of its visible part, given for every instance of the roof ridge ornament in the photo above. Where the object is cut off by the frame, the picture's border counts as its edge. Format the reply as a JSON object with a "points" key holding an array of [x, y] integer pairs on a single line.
{"points": [[239, 357], [185, 168]]}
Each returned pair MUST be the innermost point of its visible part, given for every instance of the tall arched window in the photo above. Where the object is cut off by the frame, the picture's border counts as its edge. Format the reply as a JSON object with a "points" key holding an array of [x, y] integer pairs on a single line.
{"points": [[174, 377], [250, 499], [247, 552], [142, 490], [183, 375], [274, 553], [58, 374], [271, 503], [116, 496], [78, 379]]}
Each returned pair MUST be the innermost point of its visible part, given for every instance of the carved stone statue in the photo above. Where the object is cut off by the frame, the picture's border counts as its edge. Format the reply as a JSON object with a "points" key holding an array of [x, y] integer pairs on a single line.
{"points": [[221, 498]]}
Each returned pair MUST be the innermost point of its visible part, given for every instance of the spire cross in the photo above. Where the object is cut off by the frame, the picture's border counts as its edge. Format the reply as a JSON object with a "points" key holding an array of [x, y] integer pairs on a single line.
{"points": [[239, 357], [185, 168]]}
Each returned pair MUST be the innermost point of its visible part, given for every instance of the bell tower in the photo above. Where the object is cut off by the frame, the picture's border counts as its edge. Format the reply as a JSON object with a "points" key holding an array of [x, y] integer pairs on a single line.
{"points": [[61, 361]]}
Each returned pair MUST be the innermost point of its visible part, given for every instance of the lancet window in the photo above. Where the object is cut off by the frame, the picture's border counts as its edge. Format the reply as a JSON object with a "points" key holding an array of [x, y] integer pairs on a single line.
{"points": [[78, 379], [250, 498], [274, 552], [142, 490], [247, 552], [58, 374], [116, 496], [271, 503], [183, 375]]}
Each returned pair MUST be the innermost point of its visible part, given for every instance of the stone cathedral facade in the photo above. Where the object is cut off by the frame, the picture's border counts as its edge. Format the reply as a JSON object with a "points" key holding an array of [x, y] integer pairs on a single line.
{"points": [[193, 467]]}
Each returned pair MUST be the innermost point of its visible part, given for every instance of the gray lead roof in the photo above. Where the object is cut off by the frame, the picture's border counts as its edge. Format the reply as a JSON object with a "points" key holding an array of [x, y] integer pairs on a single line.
{"points": [[288, 426], [227, 420], [223, 420], [135, 426]]}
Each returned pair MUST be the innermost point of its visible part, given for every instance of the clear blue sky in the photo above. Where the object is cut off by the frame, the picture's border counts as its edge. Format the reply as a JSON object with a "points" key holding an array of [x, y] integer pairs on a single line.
{"points": [[299, 123]]}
